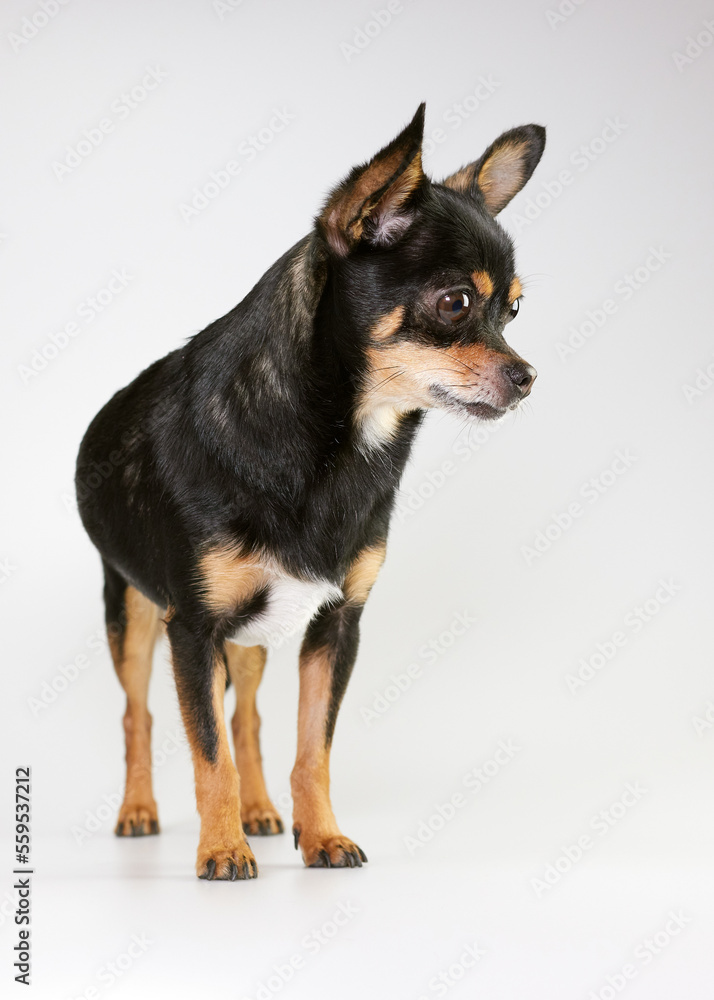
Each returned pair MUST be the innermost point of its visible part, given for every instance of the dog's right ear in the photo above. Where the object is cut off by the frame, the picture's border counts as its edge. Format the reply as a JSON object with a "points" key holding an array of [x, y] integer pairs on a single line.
{"points": [[374, 202]]}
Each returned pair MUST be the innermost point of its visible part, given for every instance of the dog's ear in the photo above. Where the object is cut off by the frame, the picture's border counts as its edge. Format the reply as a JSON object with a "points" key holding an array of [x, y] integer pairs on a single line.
{"points": [[374, 202], [503, 169]]}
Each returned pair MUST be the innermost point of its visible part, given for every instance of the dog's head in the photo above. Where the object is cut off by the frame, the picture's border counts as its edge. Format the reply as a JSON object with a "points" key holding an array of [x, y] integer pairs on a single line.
{"points": [[424, 280]]}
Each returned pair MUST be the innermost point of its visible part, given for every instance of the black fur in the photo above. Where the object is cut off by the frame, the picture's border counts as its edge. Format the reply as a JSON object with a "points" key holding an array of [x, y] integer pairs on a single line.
{"points": [[247, 435]]}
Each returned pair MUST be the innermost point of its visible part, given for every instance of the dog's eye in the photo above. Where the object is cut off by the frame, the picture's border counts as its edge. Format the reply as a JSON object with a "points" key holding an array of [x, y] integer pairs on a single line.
{"points": [[453, 306], [513, 311]]}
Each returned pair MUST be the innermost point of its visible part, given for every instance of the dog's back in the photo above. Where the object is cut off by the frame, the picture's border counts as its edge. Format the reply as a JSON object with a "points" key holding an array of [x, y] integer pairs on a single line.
{"points": [[242, 487]]}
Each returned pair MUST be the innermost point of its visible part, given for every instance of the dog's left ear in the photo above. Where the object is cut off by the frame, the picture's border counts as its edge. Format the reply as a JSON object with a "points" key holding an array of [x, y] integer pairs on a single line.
{"points": [[374, 202], [503, 169]]}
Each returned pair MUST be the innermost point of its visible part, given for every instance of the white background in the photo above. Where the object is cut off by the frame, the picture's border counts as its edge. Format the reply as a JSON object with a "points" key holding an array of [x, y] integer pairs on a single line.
{"points": [[459, 549]]}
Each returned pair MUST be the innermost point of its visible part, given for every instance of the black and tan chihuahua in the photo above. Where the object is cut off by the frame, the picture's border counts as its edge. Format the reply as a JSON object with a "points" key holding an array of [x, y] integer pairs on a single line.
{"points": [[254, 470]]}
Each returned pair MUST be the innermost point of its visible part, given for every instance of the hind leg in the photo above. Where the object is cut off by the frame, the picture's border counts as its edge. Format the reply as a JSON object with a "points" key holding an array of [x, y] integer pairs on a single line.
{"points": [[245, 666], [132, 628]]}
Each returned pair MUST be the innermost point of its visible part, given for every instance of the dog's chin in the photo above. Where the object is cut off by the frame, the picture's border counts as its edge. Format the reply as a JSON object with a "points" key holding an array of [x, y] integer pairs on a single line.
{"points": [[479, 410]]}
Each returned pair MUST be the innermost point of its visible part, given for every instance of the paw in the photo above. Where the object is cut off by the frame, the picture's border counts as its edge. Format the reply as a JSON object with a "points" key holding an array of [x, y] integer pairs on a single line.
{"points": [[261, 820], [226, 863], [334, 851], [137, 820]]}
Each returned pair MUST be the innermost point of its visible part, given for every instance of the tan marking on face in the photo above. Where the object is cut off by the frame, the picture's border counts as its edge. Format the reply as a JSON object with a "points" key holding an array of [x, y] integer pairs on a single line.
{"points": [[229, 577], [483, 283], [515, 290], [387, 325], [399, 376], [502, 175], [363, 572]]}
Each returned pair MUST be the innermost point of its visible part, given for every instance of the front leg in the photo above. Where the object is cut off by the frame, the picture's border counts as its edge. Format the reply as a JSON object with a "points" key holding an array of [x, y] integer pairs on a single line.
{"points": [[327, 656], [200, 671]]}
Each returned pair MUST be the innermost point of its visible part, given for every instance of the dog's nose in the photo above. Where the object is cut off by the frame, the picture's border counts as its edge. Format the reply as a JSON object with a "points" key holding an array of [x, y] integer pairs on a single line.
{"points": [[522, 375]]}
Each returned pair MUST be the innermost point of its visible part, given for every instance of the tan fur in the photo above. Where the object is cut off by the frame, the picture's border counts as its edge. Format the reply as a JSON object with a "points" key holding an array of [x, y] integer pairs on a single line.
{"points": [[228, 578], [462, 180], [515, 290], [502, 175], [483, 283], [218, 795], [132, 658], [363, 572], [399, 375], [245, 666], [388, 325], [313, 817], [345, 212]]}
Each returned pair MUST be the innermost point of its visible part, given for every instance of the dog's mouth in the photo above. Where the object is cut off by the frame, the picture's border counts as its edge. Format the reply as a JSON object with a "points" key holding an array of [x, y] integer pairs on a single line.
{"points": [[480, 409]]}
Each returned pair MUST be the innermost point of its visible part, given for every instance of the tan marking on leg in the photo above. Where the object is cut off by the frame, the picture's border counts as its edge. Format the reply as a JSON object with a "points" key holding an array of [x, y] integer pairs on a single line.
{"points": [[229, 577], [483, 283], [258, 814], [387, 325], [314, 823], [515, 290], [223, 852], [132, 657], [363, 572]]}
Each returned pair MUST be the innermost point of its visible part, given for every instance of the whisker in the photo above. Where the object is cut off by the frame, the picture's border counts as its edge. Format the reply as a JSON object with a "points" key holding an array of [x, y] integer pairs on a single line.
{"points": [[459, 361], [384, 382]]}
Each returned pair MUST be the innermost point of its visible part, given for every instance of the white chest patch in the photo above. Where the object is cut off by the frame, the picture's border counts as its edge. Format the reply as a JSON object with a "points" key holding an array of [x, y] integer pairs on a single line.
{"points": [[291, 603], [379, 425]]}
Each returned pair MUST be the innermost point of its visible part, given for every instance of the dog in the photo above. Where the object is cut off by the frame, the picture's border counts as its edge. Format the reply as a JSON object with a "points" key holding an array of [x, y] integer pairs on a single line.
{"points": [[252, 473]]}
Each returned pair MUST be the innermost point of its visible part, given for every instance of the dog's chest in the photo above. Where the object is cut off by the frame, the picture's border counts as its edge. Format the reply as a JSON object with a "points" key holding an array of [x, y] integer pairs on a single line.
{"points": [[290, 604]]}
